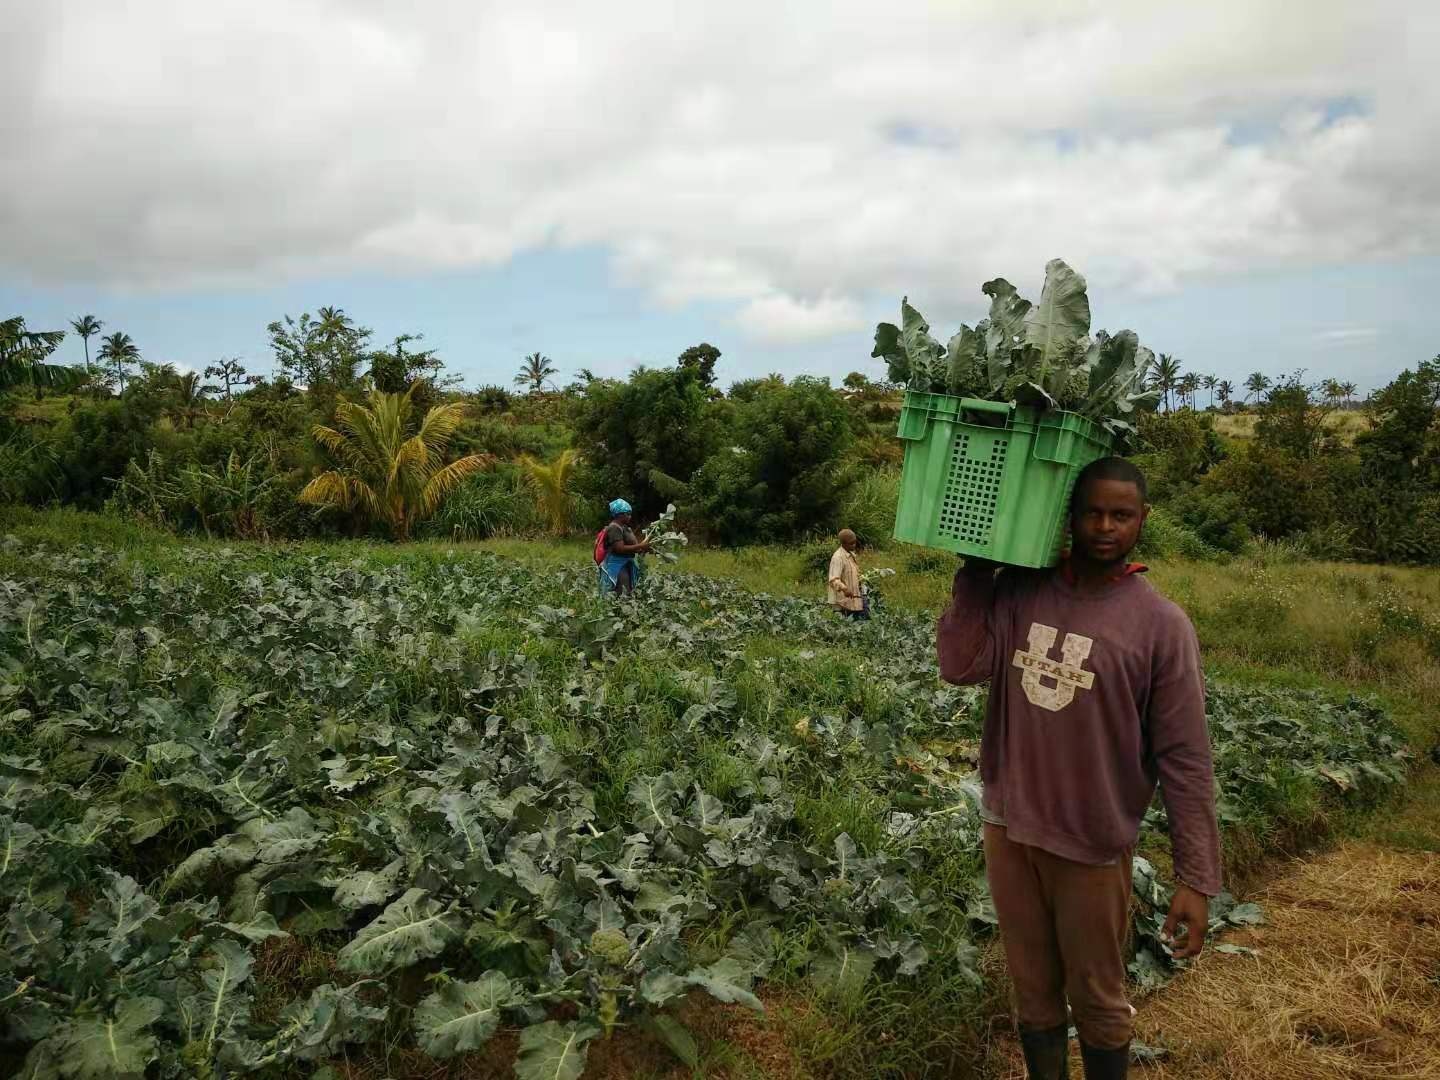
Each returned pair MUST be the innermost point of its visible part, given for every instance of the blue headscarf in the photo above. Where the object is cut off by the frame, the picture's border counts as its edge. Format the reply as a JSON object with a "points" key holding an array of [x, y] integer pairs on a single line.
{"points": [[618, 507]]}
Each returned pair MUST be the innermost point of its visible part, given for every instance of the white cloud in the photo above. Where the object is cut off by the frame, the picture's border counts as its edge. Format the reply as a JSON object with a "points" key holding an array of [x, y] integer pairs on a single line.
{"points": [[794, 161], [1346, 335], [781, 319]]}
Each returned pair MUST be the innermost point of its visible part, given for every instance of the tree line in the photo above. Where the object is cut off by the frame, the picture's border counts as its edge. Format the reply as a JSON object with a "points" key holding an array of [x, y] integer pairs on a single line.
{"points": [[346, 437]]}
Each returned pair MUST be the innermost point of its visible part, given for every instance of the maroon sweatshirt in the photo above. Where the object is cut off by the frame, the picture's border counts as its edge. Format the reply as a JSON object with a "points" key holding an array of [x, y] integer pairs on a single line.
{"points": [[1095, 695]]}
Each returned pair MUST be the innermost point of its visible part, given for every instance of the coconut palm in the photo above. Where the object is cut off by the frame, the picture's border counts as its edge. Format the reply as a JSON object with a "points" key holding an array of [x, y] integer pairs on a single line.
{"points": [[1348, 389], [1226, 391], [1211, 382], [189, 398], [1257, 384], [1166, 376], [390, 460], [119, 350], [551, 484], [534, 370], [1187, 386], [23, 354], [1334, 390], [87, 326], [333, 323]]}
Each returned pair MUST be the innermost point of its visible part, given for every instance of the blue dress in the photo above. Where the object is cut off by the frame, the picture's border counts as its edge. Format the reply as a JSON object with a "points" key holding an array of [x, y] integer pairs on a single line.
{"points": [[614, 567]]}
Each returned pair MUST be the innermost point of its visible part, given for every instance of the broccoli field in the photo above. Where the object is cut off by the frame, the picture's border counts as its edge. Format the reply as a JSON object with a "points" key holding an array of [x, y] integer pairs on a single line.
{"points": [[271, 813]]}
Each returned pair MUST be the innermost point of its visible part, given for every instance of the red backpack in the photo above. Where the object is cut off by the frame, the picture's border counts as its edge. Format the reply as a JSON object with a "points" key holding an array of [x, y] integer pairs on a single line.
{"points": [[600, 551]]}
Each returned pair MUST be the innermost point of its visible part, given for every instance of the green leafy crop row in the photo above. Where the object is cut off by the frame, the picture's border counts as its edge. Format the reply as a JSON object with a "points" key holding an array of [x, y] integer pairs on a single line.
{"points": [[489, 799]]}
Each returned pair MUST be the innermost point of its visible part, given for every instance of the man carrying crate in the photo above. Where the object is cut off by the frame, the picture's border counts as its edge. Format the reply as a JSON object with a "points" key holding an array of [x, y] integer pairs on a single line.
{"points": [[1096, 695]]}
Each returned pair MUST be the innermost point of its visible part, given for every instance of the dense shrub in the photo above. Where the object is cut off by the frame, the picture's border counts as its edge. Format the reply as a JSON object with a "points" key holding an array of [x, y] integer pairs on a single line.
{"points": [[508, 439], [785, 475], [649, 434], [1179, 448], [247, 498], [1282, 494], [1218, 519], [1165, 537]]}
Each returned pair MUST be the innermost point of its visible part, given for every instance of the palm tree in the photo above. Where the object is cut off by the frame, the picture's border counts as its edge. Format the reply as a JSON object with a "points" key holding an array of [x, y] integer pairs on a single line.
{"points": [[1189, 384], [118, 349], [1226, 390], [1334, 390], [1257, 384], [534, 370], [333, 323], [189, 397], [389, 466], [1348, 389], [551, 484], [1211, 382], [87, 326], [23, 354], [1166, 377]]}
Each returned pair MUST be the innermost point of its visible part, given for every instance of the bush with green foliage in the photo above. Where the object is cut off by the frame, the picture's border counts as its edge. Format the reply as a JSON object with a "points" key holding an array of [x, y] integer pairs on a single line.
{"points": [[1218, 519], [1394, 501], [1178, 449], [645, 438], [1165, 537], [508, 440], [246, 498], [1282, 494], [786, 473]]}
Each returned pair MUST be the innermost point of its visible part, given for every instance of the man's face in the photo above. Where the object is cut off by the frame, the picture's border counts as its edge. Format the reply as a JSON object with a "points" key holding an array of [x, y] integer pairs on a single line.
{"points": [[1107, 520], [848, 543], [625, 519]]}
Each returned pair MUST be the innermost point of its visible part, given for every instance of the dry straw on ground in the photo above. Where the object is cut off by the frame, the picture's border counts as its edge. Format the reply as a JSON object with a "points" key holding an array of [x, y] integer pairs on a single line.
{"points": [[1346, 986]]}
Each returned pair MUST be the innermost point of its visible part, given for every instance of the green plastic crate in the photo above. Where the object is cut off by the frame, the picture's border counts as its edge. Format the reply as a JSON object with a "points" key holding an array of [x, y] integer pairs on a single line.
{"points": [[990, 478]]}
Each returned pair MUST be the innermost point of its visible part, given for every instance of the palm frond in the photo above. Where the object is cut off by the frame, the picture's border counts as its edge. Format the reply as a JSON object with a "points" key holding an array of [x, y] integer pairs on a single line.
{"points": [[441, 423], [551, 484], [339, 447], [333, 489], [449, 478], [389, 467]]}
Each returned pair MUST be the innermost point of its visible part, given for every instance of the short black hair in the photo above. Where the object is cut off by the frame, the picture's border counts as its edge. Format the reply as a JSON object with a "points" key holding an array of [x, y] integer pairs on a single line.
{"points": [[1109, 468]]}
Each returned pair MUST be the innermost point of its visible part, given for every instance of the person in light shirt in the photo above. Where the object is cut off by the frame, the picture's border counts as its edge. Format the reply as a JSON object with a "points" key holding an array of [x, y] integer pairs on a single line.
{"points": [[843, 589]]}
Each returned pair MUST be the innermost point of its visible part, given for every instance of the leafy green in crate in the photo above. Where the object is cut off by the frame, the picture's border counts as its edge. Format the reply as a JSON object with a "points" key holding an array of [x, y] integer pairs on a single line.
{"points": [[1033, 354]]}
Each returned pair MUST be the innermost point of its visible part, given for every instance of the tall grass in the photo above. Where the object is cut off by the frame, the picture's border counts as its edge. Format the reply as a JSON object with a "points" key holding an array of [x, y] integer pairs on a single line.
{"points": [[496, 503], [869, 507]]}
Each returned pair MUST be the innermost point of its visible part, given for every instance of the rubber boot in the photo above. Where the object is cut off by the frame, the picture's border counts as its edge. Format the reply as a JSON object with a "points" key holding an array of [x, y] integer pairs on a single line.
{"points": [[1105, 1064], [1047, 1053]]}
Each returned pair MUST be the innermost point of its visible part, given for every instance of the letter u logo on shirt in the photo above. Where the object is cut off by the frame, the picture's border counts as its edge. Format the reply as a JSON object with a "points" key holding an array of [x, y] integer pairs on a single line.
{"points": [[1036, 665]]}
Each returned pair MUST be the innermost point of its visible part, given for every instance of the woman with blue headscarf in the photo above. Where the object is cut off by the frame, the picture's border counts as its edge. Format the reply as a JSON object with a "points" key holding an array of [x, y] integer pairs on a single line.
{"points": [[620, 570]]}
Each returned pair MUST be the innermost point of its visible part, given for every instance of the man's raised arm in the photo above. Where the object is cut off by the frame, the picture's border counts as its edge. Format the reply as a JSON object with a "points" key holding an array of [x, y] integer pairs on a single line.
{"points": [[965, 638]]}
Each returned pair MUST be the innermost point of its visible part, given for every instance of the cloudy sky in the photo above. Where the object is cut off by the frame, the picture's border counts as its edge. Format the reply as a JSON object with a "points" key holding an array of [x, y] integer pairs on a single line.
{"points": [[1250, 185]]}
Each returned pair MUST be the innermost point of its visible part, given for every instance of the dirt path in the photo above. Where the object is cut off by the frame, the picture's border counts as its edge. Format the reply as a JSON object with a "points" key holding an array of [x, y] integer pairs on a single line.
{"points": [[1346, 984]]}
